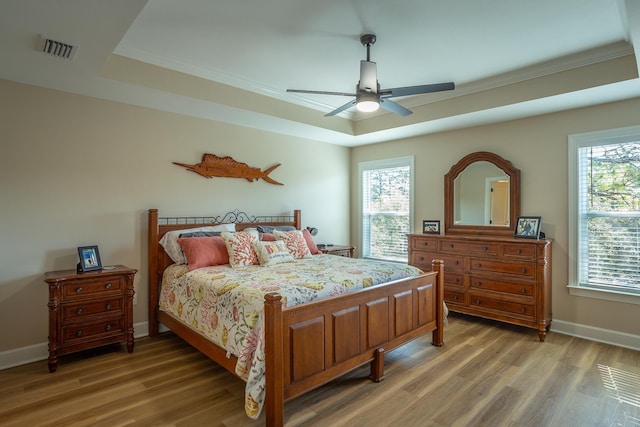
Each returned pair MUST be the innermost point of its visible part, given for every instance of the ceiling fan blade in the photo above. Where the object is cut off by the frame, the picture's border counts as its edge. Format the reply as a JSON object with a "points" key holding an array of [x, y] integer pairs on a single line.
{"points": [[389, 105], [368, 76], [416, 90], [341, 108], [321, 92]]}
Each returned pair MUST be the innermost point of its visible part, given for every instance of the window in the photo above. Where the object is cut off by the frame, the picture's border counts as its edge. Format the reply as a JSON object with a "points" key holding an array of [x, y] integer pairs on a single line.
{"points": [[604, 214], [386, 207]]}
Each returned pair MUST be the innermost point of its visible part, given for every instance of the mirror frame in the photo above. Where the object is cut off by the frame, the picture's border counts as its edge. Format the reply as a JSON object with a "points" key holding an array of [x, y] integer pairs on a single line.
{"points": [[514, 195]]}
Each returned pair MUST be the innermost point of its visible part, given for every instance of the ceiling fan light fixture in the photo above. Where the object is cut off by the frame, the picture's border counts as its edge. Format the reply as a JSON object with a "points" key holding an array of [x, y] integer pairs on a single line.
{"points": [[368, 102]]}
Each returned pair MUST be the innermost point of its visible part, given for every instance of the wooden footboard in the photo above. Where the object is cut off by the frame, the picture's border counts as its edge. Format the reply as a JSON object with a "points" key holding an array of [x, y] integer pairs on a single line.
{"points": [[310, 344]]}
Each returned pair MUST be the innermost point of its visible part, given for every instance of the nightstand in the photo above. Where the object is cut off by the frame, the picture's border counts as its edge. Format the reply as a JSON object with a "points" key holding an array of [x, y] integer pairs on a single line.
{"points": [[346, 251], [89, 310]]}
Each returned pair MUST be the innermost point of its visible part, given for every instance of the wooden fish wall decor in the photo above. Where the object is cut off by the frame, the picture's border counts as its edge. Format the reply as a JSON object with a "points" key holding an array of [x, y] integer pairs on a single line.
{"points": [[212, 165]]}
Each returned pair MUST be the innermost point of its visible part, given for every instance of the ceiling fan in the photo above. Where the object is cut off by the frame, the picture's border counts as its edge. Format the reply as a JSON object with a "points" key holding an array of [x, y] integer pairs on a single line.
{"points": [[368, 96]]}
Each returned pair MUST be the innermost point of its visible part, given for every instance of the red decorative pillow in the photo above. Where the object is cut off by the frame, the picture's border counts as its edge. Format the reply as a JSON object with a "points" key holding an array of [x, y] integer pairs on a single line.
{"points": [[295, 241], [240, 248], [268, 237], [204, 251], [313, 248]]}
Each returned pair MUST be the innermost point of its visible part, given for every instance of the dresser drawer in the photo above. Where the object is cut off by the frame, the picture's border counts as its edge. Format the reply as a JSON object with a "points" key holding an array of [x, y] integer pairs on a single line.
{"points": [[469, 248], [519, 251], [78, 311], [455, 279], [513, 307], [484, 283], [83, 331], [457, 297], [424, 244], [91, 287], [524, 269], [423, 260]]}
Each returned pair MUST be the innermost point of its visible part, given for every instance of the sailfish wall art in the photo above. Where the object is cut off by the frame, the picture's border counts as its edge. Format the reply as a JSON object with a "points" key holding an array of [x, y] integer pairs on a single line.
{"points": [[212, 165]]}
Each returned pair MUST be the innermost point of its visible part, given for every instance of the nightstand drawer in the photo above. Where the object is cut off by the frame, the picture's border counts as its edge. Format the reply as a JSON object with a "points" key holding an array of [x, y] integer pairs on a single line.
{"points": [[89, 308], [91, 287], [82, 331]]}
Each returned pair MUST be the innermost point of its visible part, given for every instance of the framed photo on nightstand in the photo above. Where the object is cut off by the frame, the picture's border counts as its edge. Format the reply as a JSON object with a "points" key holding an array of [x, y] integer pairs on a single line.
{"points": [[89, 259]]}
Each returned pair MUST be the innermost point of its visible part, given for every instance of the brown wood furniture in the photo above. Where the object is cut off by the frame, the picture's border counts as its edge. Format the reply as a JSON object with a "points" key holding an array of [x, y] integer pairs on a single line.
{"points": [[500, 278], [310, 344], [490, 273], [339, 250], [88, 310]]}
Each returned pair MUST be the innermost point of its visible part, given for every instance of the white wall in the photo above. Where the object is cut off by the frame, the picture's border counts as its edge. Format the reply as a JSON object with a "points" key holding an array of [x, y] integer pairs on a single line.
{"points": [[78, 171]]}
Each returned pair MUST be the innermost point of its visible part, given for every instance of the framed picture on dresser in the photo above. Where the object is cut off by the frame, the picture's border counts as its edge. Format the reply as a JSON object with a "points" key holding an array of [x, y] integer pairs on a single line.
{"points": [[528, 227], [431, 226]]}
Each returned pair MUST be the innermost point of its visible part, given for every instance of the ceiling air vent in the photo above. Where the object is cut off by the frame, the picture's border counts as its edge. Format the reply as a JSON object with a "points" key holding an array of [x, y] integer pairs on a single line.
{"points": [[59, 49]]}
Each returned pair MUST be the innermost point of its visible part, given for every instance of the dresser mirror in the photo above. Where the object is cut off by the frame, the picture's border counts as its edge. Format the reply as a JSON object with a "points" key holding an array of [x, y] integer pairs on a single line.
{"points": [[481, 195]]}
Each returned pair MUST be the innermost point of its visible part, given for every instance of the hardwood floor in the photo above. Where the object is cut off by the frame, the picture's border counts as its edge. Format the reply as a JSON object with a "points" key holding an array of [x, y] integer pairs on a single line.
{"points": [[487, 374]]}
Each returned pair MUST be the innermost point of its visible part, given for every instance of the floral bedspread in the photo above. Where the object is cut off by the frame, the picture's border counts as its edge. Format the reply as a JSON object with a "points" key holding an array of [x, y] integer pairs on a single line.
{"points": [[226, 304]]}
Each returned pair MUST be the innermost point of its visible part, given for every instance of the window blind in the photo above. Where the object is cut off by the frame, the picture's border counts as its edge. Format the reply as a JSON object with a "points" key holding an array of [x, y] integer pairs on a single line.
{"points": [[609, 216], [386, 209]]}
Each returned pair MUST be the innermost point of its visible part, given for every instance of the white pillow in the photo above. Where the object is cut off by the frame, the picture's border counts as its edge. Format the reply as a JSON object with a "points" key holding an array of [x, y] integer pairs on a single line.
{"points": [[170, 240], [271, 253]]}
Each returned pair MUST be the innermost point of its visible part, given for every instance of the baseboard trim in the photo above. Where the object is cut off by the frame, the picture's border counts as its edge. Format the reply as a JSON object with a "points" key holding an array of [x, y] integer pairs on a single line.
{"points": [[38, 352], [606, 336]]}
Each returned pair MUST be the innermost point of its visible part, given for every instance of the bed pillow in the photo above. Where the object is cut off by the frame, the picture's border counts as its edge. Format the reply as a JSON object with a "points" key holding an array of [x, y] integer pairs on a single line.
{"points": [[313, 248], [240, 248], [204, 251], [267, 237], [269, 228], [201, 234], [295, 241], [271, 253], [170, 240]]}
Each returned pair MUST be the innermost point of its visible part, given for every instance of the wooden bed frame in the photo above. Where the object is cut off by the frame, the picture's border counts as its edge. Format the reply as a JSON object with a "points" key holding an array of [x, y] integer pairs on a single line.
{"points": [[310, 344]]}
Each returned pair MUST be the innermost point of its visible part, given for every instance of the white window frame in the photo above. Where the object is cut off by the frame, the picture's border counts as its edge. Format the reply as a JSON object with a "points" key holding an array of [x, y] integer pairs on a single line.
{"points": [[576, 142], [380, 164]]}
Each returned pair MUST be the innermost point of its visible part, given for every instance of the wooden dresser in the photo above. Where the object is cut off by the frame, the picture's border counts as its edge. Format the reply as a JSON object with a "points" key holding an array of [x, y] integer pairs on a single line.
{"points": [[88, 310], [501, 278]]}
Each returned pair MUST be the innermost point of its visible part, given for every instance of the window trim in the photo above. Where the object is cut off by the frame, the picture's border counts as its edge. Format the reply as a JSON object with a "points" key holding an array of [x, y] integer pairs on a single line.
{"points": [[577, 141], [378, 164]]}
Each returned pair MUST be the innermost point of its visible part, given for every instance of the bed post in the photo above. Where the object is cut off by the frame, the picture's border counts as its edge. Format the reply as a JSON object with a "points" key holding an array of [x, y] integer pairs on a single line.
{"points": [[153, 272], [297, 219], [274, 360], [438, 334]]}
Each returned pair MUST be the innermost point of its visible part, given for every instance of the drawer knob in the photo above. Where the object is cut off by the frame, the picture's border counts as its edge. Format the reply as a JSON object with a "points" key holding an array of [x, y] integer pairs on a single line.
{"points": [[524, 310], [108, 306], [107, 286], [523, 291], [79, 311], [485, 248], [79, 333], [457, 280], [108, 327], [455, 297], [478, 265], [451, 245], [478, 283], [478, 301], [518, 251], [523, 270], [79, 289]]}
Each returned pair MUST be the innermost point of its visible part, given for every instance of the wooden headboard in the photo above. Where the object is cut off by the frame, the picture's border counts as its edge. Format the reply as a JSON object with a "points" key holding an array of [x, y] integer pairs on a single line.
{"points": [[159, 260]]}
